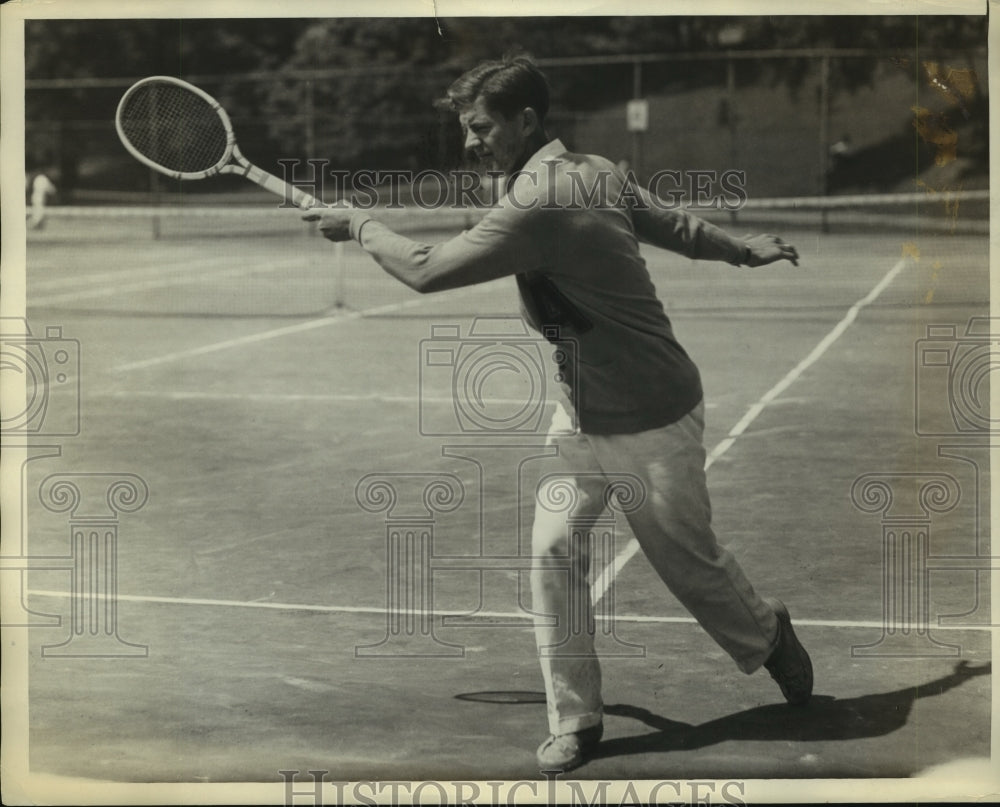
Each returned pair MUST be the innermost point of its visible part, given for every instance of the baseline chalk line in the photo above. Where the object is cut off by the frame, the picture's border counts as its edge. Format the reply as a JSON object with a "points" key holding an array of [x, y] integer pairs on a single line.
{"points": [[382, 611]]}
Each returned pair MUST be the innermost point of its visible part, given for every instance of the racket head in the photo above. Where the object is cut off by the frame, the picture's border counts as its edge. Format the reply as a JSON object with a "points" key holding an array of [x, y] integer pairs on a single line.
{"points": [[175, 128]]}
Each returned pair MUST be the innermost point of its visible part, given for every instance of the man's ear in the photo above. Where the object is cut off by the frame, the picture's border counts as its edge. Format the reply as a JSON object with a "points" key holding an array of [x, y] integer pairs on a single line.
{"points": [[530, 120]]}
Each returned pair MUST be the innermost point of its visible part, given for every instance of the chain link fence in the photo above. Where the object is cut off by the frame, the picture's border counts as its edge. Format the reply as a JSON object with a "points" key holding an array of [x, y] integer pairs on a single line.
{"points": [[785, 118]]}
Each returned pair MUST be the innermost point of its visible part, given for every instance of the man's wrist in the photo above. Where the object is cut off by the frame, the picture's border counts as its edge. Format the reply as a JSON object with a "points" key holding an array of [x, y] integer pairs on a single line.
{"points": [[745, 253], [358, 220]]}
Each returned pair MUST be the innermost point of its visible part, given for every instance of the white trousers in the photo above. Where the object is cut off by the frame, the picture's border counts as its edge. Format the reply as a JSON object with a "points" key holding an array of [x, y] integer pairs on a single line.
{"points": [[672, 525]]}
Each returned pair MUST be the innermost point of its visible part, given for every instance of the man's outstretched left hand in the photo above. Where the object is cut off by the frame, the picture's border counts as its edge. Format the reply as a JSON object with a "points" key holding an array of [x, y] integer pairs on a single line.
{"points": [[765, 249]]}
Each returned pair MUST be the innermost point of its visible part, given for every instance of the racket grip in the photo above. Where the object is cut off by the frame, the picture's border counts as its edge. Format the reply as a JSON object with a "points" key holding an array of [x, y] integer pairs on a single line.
{"points": [[304, 200], [281, 188]]}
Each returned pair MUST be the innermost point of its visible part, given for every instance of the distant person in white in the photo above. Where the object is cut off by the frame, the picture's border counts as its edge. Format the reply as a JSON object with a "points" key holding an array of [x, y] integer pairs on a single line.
{"points": [[40, 187]]}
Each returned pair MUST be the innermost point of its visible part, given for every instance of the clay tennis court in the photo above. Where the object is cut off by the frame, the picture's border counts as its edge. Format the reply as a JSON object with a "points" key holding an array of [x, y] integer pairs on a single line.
{"points": [[218, 368]]}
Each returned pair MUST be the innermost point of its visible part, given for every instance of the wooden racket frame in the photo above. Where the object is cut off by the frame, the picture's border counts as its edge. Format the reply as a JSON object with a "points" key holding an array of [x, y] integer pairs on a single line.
{"points": [[232, 160]]}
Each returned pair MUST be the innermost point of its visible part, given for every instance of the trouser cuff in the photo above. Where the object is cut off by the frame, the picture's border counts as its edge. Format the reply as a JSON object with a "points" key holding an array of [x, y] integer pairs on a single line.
{"points": [[571, 725], [751, 664]]}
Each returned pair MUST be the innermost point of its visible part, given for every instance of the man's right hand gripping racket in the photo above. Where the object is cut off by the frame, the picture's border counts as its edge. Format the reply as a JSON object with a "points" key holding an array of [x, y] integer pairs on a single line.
{"points": [[183, 132]]}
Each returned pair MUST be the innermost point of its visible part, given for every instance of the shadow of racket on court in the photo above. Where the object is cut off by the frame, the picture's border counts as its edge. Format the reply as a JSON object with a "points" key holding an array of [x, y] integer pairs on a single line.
{"points": [[825, 718]]}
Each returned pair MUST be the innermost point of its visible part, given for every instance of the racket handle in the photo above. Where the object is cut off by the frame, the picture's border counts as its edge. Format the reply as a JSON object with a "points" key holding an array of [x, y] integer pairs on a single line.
{"points": [[281, 188]]}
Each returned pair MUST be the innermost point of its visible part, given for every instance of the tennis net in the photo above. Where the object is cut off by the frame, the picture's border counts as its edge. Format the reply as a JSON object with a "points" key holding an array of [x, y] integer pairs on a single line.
{"points": [[263, 261]]}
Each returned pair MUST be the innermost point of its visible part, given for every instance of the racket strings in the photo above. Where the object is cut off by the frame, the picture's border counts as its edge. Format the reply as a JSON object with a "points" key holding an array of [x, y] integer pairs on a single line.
{"points": [[174, 127]]}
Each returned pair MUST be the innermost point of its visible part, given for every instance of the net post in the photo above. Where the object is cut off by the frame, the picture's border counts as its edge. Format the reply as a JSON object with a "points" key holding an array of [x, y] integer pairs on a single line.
{"points": [[310, 119], [824, 135], [340, 272], [731, 120], [734, 135], [157, 199], [637, 135]]}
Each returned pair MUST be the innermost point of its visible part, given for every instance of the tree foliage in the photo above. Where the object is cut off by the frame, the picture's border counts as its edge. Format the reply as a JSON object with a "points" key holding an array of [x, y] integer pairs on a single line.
{"points": [[385, 115], [370, 98]]}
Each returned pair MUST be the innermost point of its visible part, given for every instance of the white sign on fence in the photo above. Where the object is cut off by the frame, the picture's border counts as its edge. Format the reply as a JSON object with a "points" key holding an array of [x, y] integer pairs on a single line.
{"points": [[637, 115]]}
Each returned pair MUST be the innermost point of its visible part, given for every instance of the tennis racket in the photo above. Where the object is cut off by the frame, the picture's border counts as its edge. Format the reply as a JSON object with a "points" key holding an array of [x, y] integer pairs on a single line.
{"points": [[182, 131]]}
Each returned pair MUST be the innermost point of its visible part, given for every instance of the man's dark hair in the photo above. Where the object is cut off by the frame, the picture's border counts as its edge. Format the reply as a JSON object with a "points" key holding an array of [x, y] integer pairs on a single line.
{"points": [[507, 86]]}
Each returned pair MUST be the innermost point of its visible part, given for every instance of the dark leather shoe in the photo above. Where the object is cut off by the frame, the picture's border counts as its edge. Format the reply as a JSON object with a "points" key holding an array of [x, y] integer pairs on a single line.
{"points": [[789, 663]]}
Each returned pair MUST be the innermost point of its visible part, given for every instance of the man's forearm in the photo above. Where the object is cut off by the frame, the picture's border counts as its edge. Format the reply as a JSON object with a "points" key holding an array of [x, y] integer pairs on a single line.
{"points": [[401, 257], [682, 232], [489, 251]]}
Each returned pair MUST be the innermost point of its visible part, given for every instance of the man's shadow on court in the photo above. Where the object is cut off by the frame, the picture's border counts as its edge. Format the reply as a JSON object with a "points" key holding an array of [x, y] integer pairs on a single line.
{"points": [[824, 718]]}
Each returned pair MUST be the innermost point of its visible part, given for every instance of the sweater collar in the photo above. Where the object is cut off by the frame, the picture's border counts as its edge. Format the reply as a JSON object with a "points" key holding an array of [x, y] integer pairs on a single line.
{"points": [[552, 149]]}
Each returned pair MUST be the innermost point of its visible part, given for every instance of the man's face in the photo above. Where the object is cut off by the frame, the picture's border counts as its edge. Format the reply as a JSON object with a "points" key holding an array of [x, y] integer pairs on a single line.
{"points": [[499, 143]]}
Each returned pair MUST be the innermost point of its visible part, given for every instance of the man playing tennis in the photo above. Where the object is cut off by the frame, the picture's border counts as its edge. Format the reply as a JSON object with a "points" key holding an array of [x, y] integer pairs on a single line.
{"points": [[637, 396]]}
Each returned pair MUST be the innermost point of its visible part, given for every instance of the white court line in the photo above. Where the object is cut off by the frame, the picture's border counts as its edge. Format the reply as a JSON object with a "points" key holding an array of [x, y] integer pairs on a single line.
{"points": [[295, 397], [382, 611], [608, 574], [274, 333]]}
